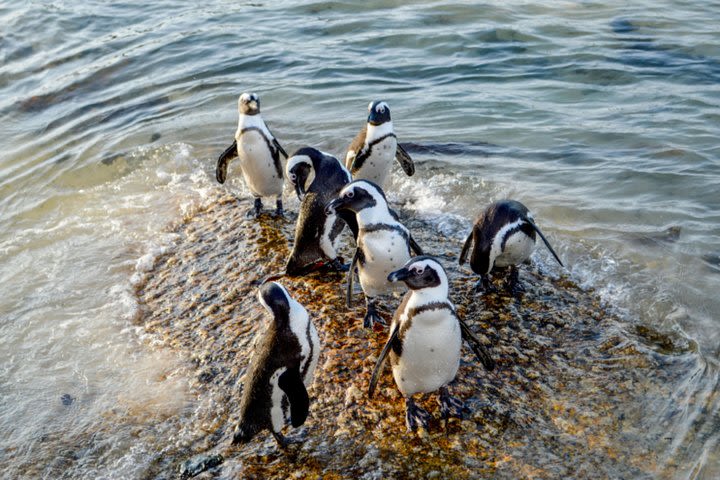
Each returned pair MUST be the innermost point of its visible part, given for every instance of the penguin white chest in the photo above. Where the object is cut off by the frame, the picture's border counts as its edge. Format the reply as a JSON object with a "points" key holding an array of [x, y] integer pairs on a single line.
{"points": [[258, 166], [518, 248], [384, 251], [430, 353], [378, 165]]}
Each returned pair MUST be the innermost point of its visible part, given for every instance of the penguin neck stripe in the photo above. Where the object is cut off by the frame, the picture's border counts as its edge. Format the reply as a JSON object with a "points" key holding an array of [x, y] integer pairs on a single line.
{"points": [[431, 306], [415, 311], [274, 151], [377, 227], [364, 155], [523, 227]]}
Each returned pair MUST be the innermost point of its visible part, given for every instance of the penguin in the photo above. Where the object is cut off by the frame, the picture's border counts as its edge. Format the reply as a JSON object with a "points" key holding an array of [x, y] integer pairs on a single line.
{"points": [[317, 178], [383, 243], [424, 342], [503, 236], [259, 153], [280, 370], [371, 153]]}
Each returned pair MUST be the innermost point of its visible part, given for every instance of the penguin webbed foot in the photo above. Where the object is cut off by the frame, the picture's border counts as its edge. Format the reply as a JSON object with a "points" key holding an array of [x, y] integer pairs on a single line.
{"points": [[484, 285], [415, 416], [451, 406], [513, 284], [338, 265], [279, 211], [284, 443], [255, 211], [372, 316]]}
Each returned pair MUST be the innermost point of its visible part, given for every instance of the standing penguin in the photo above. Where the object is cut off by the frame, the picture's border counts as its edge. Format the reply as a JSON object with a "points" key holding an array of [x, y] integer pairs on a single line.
{"points": [[383, 243], [281, 369], [424, 341], [502, 236], [317, 178], [259, 154], [370, 155]]}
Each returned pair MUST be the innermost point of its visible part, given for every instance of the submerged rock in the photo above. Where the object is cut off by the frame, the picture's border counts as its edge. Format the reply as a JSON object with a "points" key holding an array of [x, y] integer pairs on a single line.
{"points": [[573, 395]]}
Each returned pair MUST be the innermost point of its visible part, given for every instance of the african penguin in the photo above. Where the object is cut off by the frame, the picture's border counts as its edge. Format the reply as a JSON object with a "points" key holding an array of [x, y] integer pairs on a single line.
{"points": [[502, 236], [383, 243], [424, 341], [259, 153], [280, 370], [317, 178], [371, 153]]}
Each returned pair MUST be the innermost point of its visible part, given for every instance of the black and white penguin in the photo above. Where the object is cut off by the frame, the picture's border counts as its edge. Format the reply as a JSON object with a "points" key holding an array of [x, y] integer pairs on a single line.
{"points": [[317, 178], [425, 339], [261, 156], [503, 236], [383, 243], [281, 369], [370, 155]]}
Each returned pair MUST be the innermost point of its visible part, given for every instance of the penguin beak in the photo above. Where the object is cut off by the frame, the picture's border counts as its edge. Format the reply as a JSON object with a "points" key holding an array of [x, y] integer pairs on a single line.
{"points": [[299, 190], [333, 206], [399, 275]]}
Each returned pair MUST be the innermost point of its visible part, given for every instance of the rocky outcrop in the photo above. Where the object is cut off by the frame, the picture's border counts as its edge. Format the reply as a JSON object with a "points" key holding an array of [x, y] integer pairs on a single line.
{"points": [[565, 399]]}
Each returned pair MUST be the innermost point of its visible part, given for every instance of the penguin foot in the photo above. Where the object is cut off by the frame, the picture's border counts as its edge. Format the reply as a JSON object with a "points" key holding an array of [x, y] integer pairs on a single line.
{"points": [[286, 442], [338, 265], [279, 212], [415, 416], [484, 285], [372, 316], [451, 406], [257, 208], [513, 283]]}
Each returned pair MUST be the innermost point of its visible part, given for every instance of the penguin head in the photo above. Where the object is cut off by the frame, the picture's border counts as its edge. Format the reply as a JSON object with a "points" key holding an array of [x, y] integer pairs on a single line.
{"points": [[276, 301], [357, 196], [249, 104], [300, 169], [420, 273], [379, 112]]}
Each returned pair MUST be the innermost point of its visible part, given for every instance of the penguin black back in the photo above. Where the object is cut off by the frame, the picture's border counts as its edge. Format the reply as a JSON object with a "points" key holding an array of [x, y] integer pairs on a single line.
{"points": [[317, 178], [275, 371]]}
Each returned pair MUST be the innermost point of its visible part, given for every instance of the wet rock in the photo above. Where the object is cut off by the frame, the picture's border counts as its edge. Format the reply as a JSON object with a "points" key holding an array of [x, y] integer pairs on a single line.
{"points": [[564, 398], [67, 399], [200, 464]]}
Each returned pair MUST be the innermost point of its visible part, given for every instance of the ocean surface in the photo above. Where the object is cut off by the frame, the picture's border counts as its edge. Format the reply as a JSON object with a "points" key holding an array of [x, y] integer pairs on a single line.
{"points": [[602, 117]]}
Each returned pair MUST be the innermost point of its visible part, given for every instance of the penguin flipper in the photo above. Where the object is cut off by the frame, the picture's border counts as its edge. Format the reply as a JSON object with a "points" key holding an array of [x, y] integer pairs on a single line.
{"points": [[466, 248], [351, 220], [547, 244], [381, 359], [405, 161], [291, 383], [476, 346], [414, 246], [350, 277], [223, 160], [279, 147]]}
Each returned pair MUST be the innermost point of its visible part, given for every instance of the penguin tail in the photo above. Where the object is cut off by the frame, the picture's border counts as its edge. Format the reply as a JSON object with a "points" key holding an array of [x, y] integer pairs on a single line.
{"points": [[547, 244]]}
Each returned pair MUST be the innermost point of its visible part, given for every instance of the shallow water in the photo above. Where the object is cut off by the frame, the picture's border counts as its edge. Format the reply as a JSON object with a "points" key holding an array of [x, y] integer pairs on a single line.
{"points": [[603, 118]]}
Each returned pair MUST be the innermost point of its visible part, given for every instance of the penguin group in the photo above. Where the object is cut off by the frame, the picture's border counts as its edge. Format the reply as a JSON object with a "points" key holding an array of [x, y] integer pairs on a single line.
{"points": [[426, 333]]}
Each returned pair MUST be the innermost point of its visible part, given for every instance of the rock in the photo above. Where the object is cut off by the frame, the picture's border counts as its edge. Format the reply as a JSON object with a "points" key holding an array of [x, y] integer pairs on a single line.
{"points": [[198, 465], [563, 398]]}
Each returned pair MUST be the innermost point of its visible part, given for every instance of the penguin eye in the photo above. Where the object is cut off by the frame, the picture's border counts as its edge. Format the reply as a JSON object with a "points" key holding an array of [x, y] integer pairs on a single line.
{"points": [[380, 109], [419, 270], [349, 194], [293, 177]]}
